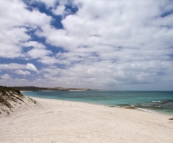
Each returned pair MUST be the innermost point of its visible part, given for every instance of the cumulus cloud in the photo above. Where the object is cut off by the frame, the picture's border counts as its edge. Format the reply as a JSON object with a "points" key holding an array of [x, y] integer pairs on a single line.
{"points": [[111, 44], [60, 10], [38, 53], [21, 72], [48, 60], [124, 42], [17, 21], [52, 3], [34, 44], [48, 3], [31, 67], [12, 66], [5, 77]]}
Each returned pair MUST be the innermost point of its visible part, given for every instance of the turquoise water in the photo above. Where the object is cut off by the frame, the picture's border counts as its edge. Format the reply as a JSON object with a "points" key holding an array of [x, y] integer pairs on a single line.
{"points": [[161, 101]]}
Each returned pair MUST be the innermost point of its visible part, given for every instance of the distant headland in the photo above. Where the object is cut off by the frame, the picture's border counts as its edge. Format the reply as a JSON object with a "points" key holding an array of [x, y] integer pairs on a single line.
{"points": [[34, 88]]}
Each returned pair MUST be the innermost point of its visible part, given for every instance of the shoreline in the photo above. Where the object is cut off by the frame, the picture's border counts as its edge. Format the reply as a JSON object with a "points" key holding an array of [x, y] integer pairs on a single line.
{"points": [[114, 106], [102, 105], [148, 104], [60, 121]]}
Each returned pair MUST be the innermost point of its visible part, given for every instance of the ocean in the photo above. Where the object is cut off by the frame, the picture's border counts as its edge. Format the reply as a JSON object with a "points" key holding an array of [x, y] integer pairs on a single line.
{"points": [[160, 101]]}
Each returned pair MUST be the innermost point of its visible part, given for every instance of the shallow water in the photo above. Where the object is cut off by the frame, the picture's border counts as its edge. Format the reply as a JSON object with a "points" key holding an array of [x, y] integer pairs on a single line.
{"points": [[161, 101]]}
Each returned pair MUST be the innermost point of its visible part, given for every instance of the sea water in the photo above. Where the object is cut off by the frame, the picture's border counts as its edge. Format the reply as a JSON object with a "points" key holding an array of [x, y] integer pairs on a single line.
{"points": [[161, 101]]}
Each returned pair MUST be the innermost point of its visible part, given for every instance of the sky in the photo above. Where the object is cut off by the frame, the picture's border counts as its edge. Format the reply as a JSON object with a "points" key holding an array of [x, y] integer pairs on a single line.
{"points": [[102, 44]]}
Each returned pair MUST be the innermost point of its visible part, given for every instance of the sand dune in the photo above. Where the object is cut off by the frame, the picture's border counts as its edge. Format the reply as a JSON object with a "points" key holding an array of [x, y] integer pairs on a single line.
{"points": [[71, 122]]}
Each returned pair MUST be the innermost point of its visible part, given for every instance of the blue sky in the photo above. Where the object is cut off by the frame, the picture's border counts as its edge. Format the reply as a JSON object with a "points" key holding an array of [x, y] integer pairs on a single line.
{"points": [[119, 45]]}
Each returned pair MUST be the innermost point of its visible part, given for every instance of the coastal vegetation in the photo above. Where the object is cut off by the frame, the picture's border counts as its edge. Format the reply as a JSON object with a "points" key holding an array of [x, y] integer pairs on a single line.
{"points": [[12, 100]]}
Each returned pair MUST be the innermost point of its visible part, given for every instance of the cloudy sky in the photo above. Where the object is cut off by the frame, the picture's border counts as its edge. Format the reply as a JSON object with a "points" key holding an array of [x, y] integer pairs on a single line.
{"points": [[105, 44]]}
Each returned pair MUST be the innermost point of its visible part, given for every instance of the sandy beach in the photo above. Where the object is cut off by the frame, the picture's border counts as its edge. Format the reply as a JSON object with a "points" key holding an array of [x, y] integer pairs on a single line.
{"points": [[55, 121]]}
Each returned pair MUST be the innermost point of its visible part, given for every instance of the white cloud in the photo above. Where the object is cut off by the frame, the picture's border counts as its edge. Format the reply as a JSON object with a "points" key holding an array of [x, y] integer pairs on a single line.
{"points": [[114, 42], [17, 21], [107, 43], [116, 24], [60, 10], [51, 3], [12, 66], [21, 72], [31, 67], [48, 60], [37, 50], [38, 53], [10, 41], [5, 77], [34, 44]]}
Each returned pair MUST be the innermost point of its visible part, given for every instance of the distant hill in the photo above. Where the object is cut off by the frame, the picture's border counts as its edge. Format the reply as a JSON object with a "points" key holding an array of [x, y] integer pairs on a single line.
{"points": [[33, 88], [12, 100]]}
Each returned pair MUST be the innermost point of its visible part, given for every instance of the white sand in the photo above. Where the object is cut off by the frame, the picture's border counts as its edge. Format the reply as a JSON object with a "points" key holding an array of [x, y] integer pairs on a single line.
{"points": [[72, 122]]}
